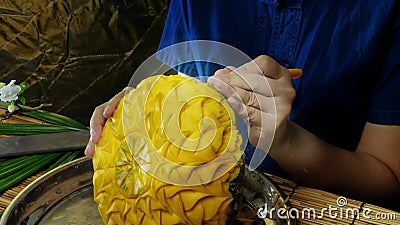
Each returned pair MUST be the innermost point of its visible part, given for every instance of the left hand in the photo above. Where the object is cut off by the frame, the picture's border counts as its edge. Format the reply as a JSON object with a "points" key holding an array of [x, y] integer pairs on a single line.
{"points": [[98, 120], [261, 92]]}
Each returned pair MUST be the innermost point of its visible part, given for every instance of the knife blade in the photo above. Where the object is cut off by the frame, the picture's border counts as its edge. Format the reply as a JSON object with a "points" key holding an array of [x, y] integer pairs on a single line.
{"points": [[43, 143]]}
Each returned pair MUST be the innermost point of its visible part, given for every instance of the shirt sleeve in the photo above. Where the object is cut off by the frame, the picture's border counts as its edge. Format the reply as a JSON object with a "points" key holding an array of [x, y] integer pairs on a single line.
{"points": [[385, 99]]}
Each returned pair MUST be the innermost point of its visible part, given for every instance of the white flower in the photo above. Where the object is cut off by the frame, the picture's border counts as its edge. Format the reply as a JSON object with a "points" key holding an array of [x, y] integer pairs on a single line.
{"points": [[9, 92], [12, 108]]}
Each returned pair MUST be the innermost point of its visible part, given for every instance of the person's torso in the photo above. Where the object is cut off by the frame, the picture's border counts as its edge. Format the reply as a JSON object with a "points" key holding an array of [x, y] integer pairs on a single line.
{"points": [[336, 43]]}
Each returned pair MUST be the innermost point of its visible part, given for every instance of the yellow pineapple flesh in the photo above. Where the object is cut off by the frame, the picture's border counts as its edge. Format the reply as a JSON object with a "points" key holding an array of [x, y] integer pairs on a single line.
{"points": [[168, 155]]}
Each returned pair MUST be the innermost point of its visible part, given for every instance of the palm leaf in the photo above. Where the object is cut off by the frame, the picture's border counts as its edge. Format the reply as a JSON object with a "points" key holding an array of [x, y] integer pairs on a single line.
{"points": [[35, 166], [15, 170], [50, 117], [31, 129], [55, 119]]}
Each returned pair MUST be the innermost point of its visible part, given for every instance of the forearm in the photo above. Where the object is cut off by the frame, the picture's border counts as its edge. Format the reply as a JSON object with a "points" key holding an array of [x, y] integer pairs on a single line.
{"points": [[314, 162]]}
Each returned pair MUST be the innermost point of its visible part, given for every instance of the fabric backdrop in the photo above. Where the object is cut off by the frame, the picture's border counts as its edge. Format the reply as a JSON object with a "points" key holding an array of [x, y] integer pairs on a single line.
{"points": [[76, 54]]}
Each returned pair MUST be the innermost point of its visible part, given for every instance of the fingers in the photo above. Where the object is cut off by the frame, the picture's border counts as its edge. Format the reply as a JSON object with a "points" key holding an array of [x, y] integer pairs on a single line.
{"points": [[251, 82], [264, 65], [262, 93], [270, 68], [262, 124], [248, 108], [97, 122], [225, 70], [245, 111], [253, 99], [262, 76], [98, 119], [113, 103], [102, 112], [89, 151]]}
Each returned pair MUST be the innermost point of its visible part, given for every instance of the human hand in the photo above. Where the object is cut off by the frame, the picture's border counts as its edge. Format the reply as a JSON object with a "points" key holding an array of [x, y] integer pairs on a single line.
{"points": [[99, 117], [261, 92]]}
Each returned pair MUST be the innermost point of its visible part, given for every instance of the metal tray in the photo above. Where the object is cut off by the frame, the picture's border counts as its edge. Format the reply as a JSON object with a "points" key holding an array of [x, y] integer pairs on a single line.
{"points": [[65, 196]]}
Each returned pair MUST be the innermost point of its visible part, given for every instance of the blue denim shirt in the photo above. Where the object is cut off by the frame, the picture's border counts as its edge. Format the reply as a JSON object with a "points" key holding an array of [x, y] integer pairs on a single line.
{"points": [[349, 52]]}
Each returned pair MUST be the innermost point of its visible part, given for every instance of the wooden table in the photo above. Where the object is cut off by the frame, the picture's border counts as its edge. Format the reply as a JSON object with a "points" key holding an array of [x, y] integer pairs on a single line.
{"points": [[300, 197]]}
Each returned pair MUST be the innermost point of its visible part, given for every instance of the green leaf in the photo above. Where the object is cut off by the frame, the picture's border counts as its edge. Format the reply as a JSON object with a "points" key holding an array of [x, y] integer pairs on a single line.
{"points": [[15, 170], [16, 166], [28, 129], [24, 173], [50, 117], [7, 161], [23, 87], [67, 157], [60, 161], [22, 99], [55, 119]]}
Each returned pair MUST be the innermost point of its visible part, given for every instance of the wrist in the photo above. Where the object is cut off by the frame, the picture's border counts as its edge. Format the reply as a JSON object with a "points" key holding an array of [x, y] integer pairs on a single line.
{"points": [[282, 140]]}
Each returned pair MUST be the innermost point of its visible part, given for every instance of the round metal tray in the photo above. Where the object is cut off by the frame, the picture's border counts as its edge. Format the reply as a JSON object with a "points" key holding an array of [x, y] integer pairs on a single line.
{"points": [[65, 196]]}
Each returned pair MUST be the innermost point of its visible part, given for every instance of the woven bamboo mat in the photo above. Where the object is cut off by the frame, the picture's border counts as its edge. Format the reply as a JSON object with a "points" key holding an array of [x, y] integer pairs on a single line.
{"points": [[343, 210], [306, 199], [9, 195], [301, 198], [311, 206]]}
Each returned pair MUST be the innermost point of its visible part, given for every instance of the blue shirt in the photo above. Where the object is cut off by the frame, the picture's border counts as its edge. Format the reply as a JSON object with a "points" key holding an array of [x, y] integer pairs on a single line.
{"points": [[348, 50]]}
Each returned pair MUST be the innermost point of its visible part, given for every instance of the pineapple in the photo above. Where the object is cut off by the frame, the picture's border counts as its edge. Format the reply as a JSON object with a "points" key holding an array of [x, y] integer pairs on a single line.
{"points": [[169, 155]]}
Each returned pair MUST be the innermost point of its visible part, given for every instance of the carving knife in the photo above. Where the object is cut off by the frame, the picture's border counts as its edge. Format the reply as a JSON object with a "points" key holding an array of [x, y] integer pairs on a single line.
{"points": [[43, 143]]}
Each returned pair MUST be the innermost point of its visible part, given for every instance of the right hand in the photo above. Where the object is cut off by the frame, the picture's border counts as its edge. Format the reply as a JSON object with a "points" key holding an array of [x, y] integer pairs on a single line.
{"points": [[262, 93], [98, 119]]}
